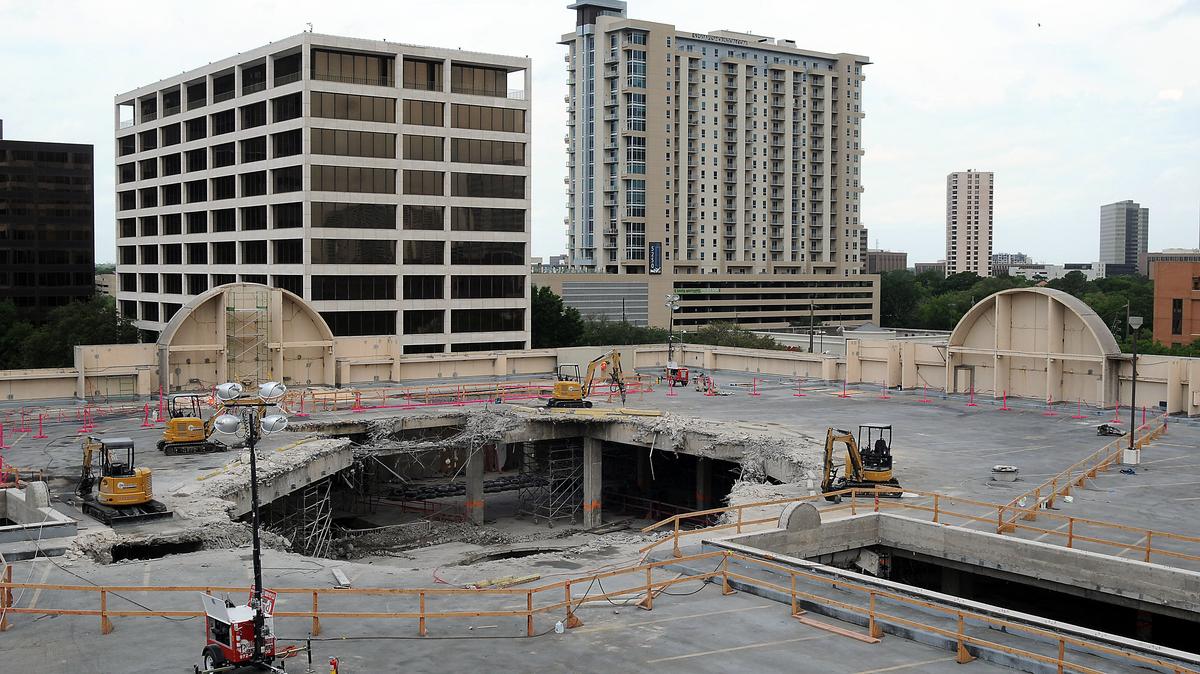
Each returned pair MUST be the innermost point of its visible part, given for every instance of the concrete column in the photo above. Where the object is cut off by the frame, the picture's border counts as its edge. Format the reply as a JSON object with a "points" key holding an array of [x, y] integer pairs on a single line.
{"points": [[853, 362], [703, 482], [474, 474], [592, 482], [908, 366]]}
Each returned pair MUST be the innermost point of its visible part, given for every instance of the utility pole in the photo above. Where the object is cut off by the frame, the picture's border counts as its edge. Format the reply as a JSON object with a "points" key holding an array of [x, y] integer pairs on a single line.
{"points": [[1136, 321], [672, 304], [810, 325], [250, 419]]}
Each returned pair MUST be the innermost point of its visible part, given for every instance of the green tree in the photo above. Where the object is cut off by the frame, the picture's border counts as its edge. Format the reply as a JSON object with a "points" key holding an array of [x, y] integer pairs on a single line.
{"points": [[1073, 282], [900, 293], [603, 332], [728, 334], [52, 343], [553, 323]]}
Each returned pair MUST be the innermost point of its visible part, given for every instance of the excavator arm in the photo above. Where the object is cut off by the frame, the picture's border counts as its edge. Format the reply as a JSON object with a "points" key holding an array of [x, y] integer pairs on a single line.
{"points": [[87, 478], [615, 375], [854, 463]]}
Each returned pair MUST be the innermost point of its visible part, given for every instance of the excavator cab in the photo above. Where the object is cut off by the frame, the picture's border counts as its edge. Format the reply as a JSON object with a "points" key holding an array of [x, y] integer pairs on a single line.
{"points": [[875, 444]]}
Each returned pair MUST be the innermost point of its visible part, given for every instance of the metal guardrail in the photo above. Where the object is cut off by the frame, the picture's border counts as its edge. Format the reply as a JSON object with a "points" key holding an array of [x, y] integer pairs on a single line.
{"points": [[646, 592]]}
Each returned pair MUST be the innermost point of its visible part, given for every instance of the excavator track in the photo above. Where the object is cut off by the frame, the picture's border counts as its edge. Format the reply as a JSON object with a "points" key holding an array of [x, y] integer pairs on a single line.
{"points": [[150, 510], [183, 448]]}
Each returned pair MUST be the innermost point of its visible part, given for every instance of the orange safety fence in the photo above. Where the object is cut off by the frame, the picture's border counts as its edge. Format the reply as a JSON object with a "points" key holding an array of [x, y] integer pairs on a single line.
{"points": [[563, 596]]}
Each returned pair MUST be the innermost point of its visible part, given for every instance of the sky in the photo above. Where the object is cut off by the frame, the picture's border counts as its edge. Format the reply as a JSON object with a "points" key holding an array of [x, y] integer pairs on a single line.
{"points": [[1071, 104]]}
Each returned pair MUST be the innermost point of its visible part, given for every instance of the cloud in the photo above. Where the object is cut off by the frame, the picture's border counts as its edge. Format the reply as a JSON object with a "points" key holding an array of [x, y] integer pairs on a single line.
{"points": [[1170, 95]]}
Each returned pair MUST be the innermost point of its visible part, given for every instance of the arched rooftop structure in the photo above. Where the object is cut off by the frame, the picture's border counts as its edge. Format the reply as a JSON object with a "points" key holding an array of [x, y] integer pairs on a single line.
{"points": [[245, 332], [1033, 342]]}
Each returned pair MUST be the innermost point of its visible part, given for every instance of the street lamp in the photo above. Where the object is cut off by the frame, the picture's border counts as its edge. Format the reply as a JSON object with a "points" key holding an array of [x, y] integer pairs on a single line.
{"points": [[243, 417], [1135, 322], [672, 305]]}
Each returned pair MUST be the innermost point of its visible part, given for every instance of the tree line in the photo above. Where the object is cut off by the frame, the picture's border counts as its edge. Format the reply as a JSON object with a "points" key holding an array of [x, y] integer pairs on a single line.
{"points": [[51, 342], [933, 302], [556, 324]]}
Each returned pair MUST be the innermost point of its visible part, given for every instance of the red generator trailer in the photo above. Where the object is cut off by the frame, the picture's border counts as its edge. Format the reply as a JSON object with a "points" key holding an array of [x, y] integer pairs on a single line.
{"points": [[677, 376], [229, 636]]}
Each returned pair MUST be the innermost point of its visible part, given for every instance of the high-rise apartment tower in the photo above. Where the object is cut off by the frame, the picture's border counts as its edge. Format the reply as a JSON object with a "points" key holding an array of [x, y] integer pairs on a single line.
{"points": [[969, 222]]}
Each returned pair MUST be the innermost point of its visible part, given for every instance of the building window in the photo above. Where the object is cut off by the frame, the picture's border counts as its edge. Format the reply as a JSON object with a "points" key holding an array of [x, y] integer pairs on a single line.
{"points": [[487, 252], [287, 179], [1177, 317], [424, 148], [350, 106], [254, 149], [288, 251], [254, 218], [424, 322], [424, 252], [286, 107], [286, 216], [254, 184], [353, 216], [423, 287], [425, 113], [487, 219], [423, 75], [290, 283], [353, 323], [224, 220], [487, 185], [478, 80], [424, 182], [353, 179], [224, 252], [353, 251], [487, 320], [486, 118], [254, 252], [476, 151], [353, 287], [353, 143], [223, 155], [487, 287], [424, 217], [287, 143], [336, 66]]}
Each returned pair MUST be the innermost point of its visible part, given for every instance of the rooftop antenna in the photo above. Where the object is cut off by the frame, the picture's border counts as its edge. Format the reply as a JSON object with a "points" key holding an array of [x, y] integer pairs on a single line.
{"points": [[309, 24]]}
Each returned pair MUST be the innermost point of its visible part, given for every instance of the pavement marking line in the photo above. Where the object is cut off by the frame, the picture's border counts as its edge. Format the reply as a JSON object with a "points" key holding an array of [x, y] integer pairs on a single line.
{"points": [[736, 648], [1060, 527], [38, 592], [908, 666], [706, 614], [146, 575]]}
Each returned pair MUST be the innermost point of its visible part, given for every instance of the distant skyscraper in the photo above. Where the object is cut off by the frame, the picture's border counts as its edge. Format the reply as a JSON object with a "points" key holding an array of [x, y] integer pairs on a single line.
{"points": [[47, 247], [1124, 232], [969, 222]]}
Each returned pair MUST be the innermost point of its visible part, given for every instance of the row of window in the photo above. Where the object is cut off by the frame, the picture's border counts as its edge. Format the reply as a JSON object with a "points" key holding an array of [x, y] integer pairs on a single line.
{"points": [[282, 180], [325, 214], [250, 116], [286, 251], [342, 287]]}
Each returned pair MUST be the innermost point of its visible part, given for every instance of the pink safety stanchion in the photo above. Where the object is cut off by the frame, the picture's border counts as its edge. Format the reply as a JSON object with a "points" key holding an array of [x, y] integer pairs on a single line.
{"points": [[670, 388], [754, 387], [146, 417], [161, 410], [1004, 403], [1079, 410], [971, 402], [1116, 413], [1050, 407], [844, 394], [2, 445], [883, 392], [301, 414], [799, 392], [24, 427], [924, 394], [41, 435], [1143, 418]]}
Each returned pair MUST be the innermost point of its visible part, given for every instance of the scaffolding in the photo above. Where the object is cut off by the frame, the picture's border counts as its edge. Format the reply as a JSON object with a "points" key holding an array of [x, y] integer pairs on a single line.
{"points": [[552, 488], [247, 344], [304, 518]]}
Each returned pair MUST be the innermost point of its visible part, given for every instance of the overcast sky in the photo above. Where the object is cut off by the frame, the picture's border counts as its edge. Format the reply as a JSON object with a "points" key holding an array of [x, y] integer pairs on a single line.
{"points": [[1098, 103]]}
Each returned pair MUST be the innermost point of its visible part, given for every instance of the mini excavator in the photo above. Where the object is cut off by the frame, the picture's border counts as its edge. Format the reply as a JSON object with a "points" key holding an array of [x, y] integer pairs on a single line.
{"points": [[123, 490], [865, 468], [572, 391]]}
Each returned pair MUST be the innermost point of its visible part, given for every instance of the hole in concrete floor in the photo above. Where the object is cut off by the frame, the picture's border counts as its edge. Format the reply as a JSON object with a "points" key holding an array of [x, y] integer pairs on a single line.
{"points": [[124, 551]]}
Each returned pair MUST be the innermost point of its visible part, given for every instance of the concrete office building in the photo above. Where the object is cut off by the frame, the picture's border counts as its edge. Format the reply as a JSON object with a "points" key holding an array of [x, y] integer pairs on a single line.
{"points": [[1176, 301], [969, 222], [1146, 261], [938, 267], [385, 183], [879, 261], [1124, 233], [728, 160], [47, 224]]}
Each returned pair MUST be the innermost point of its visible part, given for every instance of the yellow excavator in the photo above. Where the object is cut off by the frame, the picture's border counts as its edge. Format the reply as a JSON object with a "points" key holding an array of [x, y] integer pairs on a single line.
{"points": [[187, 432], [864, 468], [125, 493], [572, 391]]}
